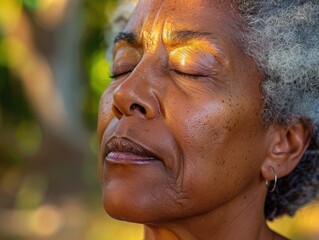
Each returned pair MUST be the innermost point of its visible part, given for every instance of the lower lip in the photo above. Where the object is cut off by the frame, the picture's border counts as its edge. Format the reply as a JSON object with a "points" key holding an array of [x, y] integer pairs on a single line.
{"points": [[125, 158]]}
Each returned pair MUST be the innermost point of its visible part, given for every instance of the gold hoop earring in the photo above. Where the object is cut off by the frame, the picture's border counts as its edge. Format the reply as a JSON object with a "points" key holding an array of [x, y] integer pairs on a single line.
{"points": [[275, 181]]}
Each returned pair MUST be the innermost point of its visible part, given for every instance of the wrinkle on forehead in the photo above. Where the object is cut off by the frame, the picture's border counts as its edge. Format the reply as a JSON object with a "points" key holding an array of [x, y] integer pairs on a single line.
{"points": [[155, 20], [151, 38], [147, 23]]}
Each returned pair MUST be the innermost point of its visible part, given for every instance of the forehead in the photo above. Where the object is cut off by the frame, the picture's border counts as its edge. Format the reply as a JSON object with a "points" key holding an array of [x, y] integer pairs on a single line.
{"points": [[164, 16]]}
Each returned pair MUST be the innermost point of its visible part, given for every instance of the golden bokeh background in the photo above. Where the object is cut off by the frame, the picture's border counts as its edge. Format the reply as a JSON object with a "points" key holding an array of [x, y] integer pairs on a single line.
{"points": [[53, 70]]}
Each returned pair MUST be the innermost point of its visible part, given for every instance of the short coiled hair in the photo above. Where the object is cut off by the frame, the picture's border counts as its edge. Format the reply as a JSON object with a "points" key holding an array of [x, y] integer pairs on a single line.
{"points": [[282, 36]]}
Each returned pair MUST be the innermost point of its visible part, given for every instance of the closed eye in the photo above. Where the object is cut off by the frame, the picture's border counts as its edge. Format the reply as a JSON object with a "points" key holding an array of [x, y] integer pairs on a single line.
{"points": [[117, 75], [189, 75]]}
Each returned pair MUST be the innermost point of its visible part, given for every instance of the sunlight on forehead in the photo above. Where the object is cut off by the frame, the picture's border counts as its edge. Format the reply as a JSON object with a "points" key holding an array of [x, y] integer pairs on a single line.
{"points": [[167, 30], [153, 36], [176, 37]]}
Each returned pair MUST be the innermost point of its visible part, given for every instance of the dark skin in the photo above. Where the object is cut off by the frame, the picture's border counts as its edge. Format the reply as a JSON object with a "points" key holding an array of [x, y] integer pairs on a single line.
{"points": [[183, 147]]}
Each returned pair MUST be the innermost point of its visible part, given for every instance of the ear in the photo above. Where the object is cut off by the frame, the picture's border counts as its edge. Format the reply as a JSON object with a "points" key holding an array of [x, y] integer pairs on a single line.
{"points": [[286, 146]]}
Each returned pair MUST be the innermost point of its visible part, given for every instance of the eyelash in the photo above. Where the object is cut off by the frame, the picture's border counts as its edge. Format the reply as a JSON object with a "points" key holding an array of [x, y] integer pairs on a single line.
{"points": [[193, 76], [114, 76]]}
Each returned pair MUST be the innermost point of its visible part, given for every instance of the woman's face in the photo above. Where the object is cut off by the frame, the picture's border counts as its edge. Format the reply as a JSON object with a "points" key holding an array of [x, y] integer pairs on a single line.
{"points": [[180, 125]]}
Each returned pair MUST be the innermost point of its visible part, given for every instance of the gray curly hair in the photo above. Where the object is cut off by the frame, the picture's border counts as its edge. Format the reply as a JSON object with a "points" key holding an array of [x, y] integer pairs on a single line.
{"points": [[282, 36]]}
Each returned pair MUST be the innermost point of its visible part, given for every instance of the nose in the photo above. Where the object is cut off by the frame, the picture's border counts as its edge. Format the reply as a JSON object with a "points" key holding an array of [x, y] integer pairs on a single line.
{"points": [[135, 97]]}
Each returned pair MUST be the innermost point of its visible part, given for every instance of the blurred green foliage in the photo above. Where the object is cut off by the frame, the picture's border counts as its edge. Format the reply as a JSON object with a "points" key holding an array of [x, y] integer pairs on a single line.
{"points": [[15, 110], [31, 4], [93, 55], [13, 104]]}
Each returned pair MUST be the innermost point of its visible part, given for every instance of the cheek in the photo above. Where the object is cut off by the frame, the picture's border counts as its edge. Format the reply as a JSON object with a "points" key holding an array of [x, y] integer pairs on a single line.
{"points": [[220, 151], [105, 114], [105, 117]]}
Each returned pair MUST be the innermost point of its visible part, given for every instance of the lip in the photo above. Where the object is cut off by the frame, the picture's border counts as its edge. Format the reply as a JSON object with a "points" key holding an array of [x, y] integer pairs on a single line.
{"points": [[126, 152]]}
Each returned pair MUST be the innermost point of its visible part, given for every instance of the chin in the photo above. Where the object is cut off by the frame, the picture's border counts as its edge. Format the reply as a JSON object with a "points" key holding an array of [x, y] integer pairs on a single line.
{"points": [[128, 198], [128, 207], [140, 203], [137, 193], [119, 204]]}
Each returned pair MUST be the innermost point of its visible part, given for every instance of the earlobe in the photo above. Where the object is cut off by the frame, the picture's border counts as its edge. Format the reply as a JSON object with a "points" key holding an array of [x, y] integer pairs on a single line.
{"points": [[287, 145]]}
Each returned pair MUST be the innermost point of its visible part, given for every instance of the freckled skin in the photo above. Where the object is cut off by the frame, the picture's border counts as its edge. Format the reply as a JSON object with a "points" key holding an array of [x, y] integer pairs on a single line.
{"points": [[205, 130]]}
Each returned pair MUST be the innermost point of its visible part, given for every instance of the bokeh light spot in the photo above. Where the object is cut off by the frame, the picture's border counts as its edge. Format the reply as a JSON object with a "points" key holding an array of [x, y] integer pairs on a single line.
{"points": [[10, 12], [14, 52], [50, 13], [46, 220]]}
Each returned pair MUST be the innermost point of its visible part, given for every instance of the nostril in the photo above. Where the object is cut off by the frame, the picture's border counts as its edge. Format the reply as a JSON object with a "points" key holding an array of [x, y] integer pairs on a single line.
{"points": [[135, 106], [117, 113]]}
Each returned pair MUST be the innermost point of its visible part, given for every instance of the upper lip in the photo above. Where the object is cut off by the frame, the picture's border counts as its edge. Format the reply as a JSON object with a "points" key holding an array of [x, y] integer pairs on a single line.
{"points": [[119, 144]]}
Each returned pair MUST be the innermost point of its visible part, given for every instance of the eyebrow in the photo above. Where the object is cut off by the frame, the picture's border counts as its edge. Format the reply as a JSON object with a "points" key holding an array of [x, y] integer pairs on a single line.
{"points": [[128, 37], [184, 36], [175, 37]]}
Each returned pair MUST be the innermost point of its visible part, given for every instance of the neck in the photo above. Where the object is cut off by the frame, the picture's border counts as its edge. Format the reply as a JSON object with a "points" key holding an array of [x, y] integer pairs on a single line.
{"points": [[245, 222]]}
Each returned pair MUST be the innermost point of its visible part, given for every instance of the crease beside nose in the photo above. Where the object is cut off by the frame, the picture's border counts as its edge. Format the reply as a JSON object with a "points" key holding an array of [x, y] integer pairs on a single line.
{"points": [[133, 99]]}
